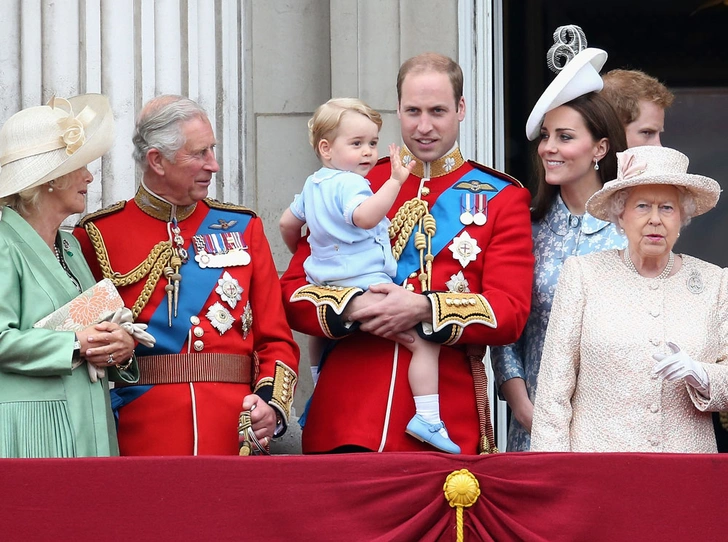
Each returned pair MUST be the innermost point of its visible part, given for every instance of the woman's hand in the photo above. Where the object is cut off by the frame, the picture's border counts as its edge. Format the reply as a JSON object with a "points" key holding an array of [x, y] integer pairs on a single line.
{"points": [[106, 344], [679, 365], [515, 393]]}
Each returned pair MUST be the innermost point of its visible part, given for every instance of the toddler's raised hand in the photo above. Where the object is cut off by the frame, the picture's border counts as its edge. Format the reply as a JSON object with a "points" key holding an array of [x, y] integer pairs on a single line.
{"points": [[400, 172]]}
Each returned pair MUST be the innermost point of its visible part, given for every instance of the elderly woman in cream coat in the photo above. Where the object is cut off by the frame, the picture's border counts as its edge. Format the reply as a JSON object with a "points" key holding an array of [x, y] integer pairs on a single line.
{"points": [[636, 350], [52, 403]]}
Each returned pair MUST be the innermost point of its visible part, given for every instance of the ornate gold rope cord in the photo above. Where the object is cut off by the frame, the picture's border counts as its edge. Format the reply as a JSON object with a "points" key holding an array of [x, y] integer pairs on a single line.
{"points": [[415, 212], [153, 265]]}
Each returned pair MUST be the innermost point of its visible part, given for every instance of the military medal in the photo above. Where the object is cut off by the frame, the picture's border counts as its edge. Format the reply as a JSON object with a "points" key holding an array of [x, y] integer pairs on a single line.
{"points": [[481, 216], [458, 283], [464, 248], [229, 289], [220, 250], [219, 317], [247, 320], [466, 217]]}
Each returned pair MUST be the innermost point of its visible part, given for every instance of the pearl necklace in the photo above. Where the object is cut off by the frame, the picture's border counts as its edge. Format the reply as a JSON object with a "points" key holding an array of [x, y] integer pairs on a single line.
{"points": [[665, 272]]}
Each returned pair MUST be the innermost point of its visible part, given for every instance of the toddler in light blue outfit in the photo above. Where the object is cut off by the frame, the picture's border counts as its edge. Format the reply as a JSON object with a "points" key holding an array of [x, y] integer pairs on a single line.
{"points": [[348, 235]]}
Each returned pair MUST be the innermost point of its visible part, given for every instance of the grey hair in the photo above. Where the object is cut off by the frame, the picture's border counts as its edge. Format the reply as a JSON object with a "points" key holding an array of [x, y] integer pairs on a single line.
{"points": [[158, 126], [686, 202]]}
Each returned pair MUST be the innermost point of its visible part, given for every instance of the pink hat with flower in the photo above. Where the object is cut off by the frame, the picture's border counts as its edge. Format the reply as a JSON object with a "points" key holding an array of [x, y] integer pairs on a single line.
{"points": [[42, 143], [654, 165]]}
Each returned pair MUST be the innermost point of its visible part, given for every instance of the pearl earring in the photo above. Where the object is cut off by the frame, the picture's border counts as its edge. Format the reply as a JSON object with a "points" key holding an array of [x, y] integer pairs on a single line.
{"points": [[596, 164], [50, 187]]}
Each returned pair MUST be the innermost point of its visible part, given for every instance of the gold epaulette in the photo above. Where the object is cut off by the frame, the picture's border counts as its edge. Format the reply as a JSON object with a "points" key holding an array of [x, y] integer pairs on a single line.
{"points": [[111, 209], [495, 173], [215, 204]]}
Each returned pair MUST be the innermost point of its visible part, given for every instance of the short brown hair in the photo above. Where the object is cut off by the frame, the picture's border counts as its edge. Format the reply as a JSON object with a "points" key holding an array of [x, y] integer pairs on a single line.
{"points": [[432, 62], [327, 118], [626, 88]]}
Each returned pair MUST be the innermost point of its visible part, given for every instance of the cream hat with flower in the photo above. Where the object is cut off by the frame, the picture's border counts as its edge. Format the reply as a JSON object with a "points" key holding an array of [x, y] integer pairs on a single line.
{"points": [[654, 165], [42, 143], [577, 69]]}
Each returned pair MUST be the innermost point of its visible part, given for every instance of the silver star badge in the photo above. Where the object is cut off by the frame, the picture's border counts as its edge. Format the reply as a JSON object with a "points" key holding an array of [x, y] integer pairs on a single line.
{"points": [[220, 318], [229, 289], [458, 283], [465, 249]]}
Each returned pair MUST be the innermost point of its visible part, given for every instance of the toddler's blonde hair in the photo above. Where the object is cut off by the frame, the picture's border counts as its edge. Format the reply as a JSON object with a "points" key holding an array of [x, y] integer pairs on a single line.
{"points": [[327, 118]]}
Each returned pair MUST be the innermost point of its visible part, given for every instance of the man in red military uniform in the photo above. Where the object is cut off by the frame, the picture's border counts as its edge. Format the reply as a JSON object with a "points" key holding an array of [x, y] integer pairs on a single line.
{"points": [[462, 237], [201, 275]]}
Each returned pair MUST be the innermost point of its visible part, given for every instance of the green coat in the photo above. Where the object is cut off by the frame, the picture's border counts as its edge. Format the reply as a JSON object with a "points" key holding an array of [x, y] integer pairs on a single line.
{"points": [[46, 409]]}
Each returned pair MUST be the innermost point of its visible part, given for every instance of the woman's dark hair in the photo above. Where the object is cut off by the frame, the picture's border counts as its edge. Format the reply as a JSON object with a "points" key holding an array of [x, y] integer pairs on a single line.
{"points": [[602, 121]]}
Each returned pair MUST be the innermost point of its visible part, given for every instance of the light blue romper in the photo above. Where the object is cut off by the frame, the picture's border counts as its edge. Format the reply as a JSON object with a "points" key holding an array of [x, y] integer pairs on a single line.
{"points": [[341, 253]]}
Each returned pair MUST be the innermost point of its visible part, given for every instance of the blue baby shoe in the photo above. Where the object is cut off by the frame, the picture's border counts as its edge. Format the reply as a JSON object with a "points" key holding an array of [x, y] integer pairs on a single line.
{"points": [[430, 434]]}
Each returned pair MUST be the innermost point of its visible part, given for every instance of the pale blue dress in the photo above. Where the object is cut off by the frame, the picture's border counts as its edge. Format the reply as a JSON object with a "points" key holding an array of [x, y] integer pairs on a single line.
{"points": [[555, 237]]}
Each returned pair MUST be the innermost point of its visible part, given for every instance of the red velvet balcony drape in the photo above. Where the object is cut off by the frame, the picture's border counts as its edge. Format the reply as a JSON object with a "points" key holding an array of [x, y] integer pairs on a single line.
{"points": [[366, 497]]}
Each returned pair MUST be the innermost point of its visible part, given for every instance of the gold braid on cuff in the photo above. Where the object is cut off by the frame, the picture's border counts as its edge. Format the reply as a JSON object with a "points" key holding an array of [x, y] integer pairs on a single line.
{"points": [[460, 309]]}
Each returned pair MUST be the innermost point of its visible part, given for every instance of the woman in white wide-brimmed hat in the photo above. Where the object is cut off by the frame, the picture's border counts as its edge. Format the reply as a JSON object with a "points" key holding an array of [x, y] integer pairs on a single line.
{"points": [[637, 345], [48, 408], [579, 135]]}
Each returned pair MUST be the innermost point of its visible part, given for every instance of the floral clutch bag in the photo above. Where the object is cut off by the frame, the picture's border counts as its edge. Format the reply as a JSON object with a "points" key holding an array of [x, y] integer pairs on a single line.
{"points": [[94, 305]]}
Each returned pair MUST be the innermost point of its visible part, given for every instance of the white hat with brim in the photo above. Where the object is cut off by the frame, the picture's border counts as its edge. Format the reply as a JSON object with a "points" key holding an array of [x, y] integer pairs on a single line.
{"points": [[580, 76], [42, 143], [654, 165]]}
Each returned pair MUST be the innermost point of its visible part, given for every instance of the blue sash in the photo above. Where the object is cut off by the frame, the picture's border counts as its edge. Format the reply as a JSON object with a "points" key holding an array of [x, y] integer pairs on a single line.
{"points": [[197, 284], [446, 211]]}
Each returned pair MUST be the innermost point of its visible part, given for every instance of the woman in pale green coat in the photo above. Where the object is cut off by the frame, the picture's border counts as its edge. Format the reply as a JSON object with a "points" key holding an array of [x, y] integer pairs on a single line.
{"points": [[49, 404]]}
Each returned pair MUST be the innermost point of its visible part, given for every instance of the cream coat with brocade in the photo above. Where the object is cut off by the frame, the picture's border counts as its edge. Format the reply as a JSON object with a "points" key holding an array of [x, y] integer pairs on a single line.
{"points": [[596, 390]]}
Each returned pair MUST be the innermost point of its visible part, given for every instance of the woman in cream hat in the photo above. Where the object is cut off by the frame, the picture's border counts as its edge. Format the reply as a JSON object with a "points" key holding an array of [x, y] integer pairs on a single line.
{"points": [[47, 407], [578, 135], [636, 348]]}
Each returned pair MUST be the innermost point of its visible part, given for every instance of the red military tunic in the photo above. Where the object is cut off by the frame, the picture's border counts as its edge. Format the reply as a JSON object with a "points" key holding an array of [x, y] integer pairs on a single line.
{"points": [[480, 290], [216, 353]]}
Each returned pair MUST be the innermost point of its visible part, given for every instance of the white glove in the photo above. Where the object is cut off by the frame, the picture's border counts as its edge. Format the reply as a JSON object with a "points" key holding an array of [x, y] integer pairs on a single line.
{"points": [[125, 319], [680, 365]]}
